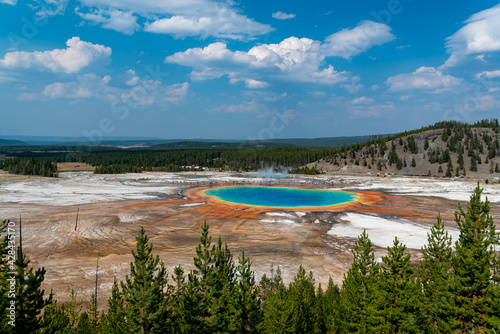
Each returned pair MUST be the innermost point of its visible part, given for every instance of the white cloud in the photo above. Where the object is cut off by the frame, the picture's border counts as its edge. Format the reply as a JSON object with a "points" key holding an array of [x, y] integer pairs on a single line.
{"points": [[295, 59], [363, 100], [90, 86], [283, 16], [225, 24], [402, 47], [358, 111], [353, 87], [86, 86], [9, 2], [348, 43], [76, 56], [434, 106], [176, 92], [134, 79], [480, 34], [189, 18], [424, 78], [488, 74], [121, 21], [255, 84], [487, 103], [245, 107], [47, 8], [317, 93], [5, 78]]}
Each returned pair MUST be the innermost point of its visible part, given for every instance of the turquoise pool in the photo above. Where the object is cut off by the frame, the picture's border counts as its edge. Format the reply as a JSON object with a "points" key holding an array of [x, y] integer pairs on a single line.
{"points": [[280, 196]]}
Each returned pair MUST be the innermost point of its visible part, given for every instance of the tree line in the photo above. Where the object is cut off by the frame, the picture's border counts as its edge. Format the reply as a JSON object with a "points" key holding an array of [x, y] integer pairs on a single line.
{"points": [[457, 136], [30, 166], [451, 290]]}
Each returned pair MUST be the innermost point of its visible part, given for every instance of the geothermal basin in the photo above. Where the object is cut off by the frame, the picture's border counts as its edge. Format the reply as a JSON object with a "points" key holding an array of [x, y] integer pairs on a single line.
{"points": [[266, 218]]}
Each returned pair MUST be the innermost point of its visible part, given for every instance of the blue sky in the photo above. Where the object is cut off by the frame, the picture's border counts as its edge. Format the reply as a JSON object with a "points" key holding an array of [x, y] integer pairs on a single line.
{"points": [[245, 70]]}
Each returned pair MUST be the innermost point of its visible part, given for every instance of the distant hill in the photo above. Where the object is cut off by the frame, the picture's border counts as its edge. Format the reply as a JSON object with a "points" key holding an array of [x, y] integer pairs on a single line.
{"points": [[305, 142], [215, 144], [156, 143], [450, 149], [319, 142], [12, 142]]}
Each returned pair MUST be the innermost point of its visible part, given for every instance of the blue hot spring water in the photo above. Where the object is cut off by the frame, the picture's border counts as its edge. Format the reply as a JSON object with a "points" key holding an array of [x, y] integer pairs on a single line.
{"points": [[280, 196]]}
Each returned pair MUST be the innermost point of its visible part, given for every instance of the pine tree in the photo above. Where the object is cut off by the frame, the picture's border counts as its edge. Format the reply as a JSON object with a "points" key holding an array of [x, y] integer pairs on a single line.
{"points": [[474, 264], [277, 313], [473, 164], [320, 320], [178, 304], [400, 297], [301, 302], [460, 160], [331, 308], [248, 305], [435, 276], [449, 170], [213, 283], [29, 296], [144, 292], [55, 320], [5, 276], [115, 316], [359, 294]]}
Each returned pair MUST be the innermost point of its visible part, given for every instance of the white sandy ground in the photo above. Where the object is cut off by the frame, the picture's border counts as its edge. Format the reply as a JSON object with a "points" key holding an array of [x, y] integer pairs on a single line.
{"points": [[76, 188], [452, 189], [84, 187], [279, 221], [382, 231], [280, 214]]}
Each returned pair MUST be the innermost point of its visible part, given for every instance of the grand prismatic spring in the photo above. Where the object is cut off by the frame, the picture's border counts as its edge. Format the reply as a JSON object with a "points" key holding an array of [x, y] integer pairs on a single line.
{"points": [[281, 196]]}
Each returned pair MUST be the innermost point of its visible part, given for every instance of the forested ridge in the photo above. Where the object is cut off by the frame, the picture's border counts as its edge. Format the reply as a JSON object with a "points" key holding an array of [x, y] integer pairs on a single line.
{"points": [[453, 289], [445, 149], [452, 148]]}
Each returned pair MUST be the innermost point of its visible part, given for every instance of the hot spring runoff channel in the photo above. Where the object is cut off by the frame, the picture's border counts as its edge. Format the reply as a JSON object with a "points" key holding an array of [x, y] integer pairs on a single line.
{"points": [[280, 196]]}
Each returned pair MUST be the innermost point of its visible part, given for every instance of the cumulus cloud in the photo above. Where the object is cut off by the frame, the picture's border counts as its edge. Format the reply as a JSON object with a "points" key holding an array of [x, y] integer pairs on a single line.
{"points": [[296, 59], [293, 58], [92, 86], [86, 86], [424, 78], [283, 16], [488, 74], [255, 84], [76, 56], [348, 43], [48, 8], [9, 2], [487, 103], [180, 19], [176, 92], [480, 34], [226, 23], [363, 100], [134, 79], [117, 20]]}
